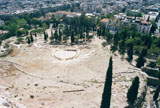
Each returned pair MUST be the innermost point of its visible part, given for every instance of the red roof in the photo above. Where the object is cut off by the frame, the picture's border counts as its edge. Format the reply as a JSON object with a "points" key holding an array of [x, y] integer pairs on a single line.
{"points": [[145, 22], [105, 20]]}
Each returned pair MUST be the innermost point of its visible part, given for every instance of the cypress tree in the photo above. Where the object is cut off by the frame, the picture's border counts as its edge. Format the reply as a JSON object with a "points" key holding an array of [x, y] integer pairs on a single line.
{"points": [[141, 60], [153, 28], [130, 53], [133, 90], [103, 30], [122, 47], [35, 34], [67, 31], [32, 40], [155, 96], [28, 40], [116, 39], [106, 96], [149, 42], [72, 37], [45, 36], [144, 52], [148, 19], [56, 35], [99, 32], [60, 35], [81, 34]]}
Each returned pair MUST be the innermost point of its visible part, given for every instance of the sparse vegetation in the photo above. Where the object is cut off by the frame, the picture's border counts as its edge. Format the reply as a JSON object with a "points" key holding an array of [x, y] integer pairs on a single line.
{"points": [[20, 40]]}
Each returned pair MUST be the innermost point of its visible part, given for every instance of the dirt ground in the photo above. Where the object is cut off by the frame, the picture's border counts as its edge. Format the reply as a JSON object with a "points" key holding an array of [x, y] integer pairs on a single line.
{"points": [[40, 80]]}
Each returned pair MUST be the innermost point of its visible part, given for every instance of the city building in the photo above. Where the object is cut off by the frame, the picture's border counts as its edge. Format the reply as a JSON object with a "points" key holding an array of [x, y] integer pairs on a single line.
{"points": [[144, 26]]}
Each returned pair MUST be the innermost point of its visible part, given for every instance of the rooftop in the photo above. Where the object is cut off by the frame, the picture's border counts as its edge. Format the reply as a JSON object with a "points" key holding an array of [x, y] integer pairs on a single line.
{"points": [[105, 20], [143, 21]]}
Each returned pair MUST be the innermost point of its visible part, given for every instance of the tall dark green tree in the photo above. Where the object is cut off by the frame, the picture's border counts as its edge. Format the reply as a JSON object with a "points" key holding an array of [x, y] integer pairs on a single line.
{"points": [[147, 41], [56, 35], [154, 27], [156, 94], [72, 37], [116, 39], [99, 32], [45, 36], [87, 35], [28, 41], [115, 42], [133, 90], [108, 36], [103, 30], [122, 47], [106, 96], [81, 34], [35, 34], [66, 31], [141, 60], [32, 40], [130, 53], [60, 35], [148, 19]]}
